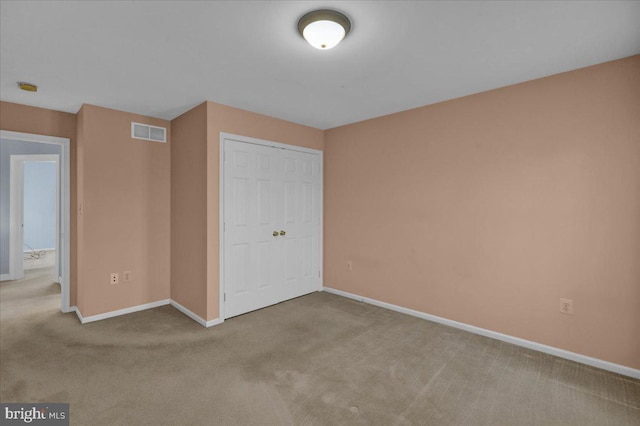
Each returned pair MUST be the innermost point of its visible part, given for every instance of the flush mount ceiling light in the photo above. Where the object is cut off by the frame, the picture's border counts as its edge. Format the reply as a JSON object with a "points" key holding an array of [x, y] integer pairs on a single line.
{"points": [[324, 28], [27, 86]]}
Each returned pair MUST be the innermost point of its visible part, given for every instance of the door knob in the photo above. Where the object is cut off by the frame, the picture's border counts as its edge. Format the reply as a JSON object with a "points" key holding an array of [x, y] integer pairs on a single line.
{"points": [[282, 233], [275, 233]]}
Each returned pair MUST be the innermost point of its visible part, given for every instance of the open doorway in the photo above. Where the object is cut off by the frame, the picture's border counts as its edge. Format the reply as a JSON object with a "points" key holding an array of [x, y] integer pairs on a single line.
{"points": [[35, 210], [34, 202]]}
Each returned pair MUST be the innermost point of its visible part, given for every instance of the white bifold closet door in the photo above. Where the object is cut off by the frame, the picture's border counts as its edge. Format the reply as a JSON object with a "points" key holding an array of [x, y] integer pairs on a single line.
{"points": [[271, 225]]}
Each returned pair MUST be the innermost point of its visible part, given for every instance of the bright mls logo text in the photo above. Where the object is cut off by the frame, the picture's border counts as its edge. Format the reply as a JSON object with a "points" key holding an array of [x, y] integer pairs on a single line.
{"points": [[48, 414]]}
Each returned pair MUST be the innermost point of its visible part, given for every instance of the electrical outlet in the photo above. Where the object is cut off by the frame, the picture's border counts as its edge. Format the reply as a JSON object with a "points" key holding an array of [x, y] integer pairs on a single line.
{"points": [[566, 306], [126, 276], [115, 278], [349, 265]]}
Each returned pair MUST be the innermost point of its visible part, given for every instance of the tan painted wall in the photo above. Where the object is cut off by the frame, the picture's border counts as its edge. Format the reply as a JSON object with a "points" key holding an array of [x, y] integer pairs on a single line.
{"points": [[125, 224], [189, 210], [221, 118], [489, 208], [40, 121]]}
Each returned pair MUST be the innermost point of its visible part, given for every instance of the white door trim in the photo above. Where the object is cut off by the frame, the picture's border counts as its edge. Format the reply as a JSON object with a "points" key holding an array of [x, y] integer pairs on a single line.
{"points": [[16, 186], [263, 142], [65, 208]]}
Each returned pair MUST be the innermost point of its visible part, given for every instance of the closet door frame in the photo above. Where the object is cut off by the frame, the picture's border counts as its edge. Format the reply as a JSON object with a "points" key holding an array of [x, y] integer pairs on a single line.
{"points": [[221, 226]]}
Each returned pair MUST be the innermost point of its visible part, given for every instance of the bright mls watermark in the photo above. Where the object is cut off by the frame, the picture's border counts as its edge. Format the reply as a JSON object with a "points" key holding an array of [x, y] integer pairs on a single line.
{"points": [[43, 414]]}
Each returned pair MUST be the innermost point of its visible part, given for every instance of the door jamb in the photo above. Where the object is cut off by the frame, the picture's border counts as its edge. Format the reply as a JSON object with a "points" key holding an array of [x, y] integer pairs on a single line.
{"points": [[64, 167], [221, 225]]}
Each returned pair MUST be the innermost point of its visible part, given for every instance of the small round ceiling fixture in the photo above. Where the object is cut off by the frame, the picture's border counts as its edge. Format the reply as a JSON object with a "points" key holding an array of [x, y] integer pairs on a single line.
{"points": [[27, 86], [324, 28]]}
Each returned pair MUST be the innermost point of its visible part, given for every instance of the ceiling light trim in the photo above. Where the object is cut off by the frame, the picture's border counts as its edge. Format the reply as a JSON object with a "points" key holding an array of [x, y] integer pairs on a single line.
{"points": [[324, 15]]}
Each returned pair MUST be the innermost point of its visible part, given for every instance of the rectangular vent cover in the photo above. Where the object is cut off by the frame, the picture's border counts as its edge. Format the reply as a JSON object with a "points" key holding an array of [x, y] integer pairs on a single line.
{"points": [[148, 133]]}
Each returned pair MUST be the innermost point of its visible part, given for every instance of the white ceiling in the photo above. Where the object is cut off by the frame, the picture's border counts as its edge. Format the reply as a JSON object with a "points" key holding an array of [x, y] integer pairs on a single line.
{"points": [[162, 58]]}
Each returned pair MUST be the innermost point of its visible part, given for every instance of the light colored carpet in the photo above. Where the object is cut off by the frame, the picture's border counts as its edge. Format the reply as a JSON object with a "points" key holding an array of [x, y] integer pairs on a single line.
{"points": [[318, 360]]}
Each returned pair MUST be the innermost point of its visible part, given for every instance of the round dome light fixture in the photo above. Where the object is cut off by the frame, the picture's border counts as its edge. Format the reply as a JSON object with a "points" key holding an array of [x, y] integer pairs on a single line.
{"points": [[324, 28]]}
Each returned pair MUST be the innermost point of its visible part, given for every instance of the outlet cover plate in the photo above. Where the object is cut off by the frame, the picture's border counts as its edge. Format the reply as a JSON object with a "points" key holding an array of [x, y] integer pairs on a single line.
{"points": [[566, 306]]}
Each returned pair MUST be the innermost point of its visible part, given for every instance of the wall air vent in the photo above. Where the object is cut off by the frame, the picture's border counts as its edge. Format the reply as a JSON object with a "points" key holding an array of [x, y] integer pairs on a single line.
{"points": [[148, 133]]}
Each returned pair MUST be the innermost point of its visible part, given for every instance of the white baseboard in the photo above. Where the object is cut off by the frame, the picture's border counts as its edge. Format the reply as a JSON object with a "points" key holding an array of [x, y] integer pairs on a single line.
{"points": [[213, 322], [583, 359], [143, 307], [196, 317], [7, 277], [71, 309], [119, 312], [78, 314], [48, 260]]}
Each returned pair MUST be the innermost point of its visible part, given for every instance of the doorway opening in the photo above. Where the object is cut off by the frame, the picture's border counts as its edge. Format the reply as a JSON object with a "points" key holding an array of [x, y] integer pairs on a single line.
{"points": [[35, 218]]}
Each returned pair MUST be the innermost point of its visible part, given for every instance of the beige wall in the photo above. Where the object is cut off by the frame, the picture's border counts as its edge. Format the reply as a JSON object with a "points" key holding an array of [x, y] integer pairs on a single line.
{"points": [[490, 208], [40, 121], [221, 118], [189, 210], [124, 194]]}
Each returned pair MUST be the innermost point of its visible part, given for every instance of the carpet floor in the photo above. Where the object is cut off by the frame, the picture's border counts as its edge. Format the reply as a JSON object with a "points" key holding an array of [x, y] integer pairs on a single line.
{"points": [[317, 360]]}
